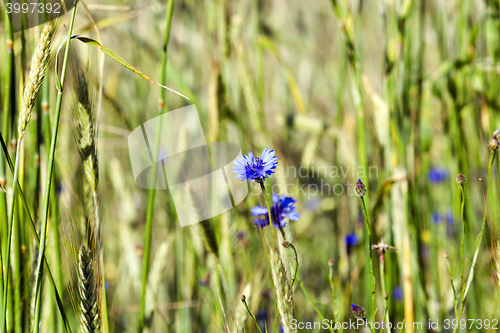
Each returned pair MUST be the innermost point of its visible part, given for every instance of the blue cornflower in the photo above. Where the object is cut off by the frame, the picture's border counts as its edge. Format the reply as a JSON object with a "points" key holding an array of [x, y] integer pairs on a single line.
{"points": [[438, 175], [255, 168], [351, 239], [397, 293], [261, 315], [436, 218], [282, 207]]}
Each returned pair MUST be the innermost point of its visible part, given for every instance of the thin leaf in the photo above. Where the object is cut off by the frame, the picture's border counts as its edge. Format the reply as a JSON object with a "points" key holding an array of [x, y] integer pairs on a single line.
{"points": [[115, 57]]}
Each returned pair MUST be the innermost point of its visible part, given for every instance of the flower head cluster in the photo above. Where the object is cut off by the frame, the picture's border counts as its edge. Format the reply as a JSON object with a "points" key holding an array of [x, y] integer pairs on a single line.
{"points": [[382, 248], [255, 168], [281, 209]]}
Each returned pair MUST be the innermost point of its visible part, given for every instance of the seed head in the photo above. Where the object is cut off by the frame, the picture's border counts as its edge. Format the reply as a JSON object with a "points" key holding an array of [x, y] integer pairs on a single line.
{"points": [[360, 189], [382, 247], [493, 144], [39, 65], [461, 179]]}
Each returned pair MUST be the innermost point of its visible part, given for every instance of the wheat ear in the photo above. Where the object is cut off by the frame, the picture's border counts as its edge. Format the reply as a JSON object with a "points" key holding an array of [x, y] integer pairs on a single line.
{"points": [[90, 321], [86, 133], [39, 65], [284, 293]]}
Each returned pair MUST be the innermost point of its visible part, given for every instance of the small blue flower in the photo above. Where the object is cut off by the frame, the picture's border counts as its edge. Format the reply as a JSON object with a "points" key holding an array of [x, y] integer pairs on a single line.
{"points": [[351, 239], [261, 315], [436, 218], [313, 205], [450, 218], [438, 175], [282, 207], [397, 293], [255, 168]]}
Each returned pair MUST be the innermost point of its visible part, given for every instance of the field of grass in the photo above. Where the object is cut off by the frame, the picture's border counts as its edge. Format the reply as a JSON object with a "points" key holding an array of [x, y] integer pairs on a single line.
{"points": [[385, 116]]}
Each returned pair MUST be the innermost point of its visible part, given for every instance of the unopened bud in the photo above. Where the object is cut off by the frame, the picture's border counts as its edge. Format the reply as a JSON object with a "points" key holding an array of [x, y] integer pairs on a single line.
{"points": [[386, 296], [243, 298], [330, 263], [286, 244], [360, 189], [493, 144], [461, 179]]}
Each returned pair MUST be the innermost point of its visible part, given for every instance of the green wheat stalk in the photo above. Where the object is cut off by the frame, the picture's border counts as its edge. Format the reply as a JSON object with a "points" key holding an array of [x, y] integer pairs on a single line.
{"points": [[50, 168], [479, 240], [39, 64], [151, 198]]}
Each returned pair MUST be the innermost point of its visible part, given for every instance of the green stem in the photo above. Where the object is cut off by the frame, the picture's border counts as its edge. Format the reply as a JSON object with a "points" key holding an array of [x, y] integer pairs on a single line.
{"points": [[50, 168], [59, 284], [251, 314], [451, 282], [151, 197], [17, 270], [37, 238], [382, 281], [462, 259], [5, 120], [312, 303], [296, 264], [368, 228], [479, 240], [4, 218], [9, 240], [334, 296], [264, 193]]}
